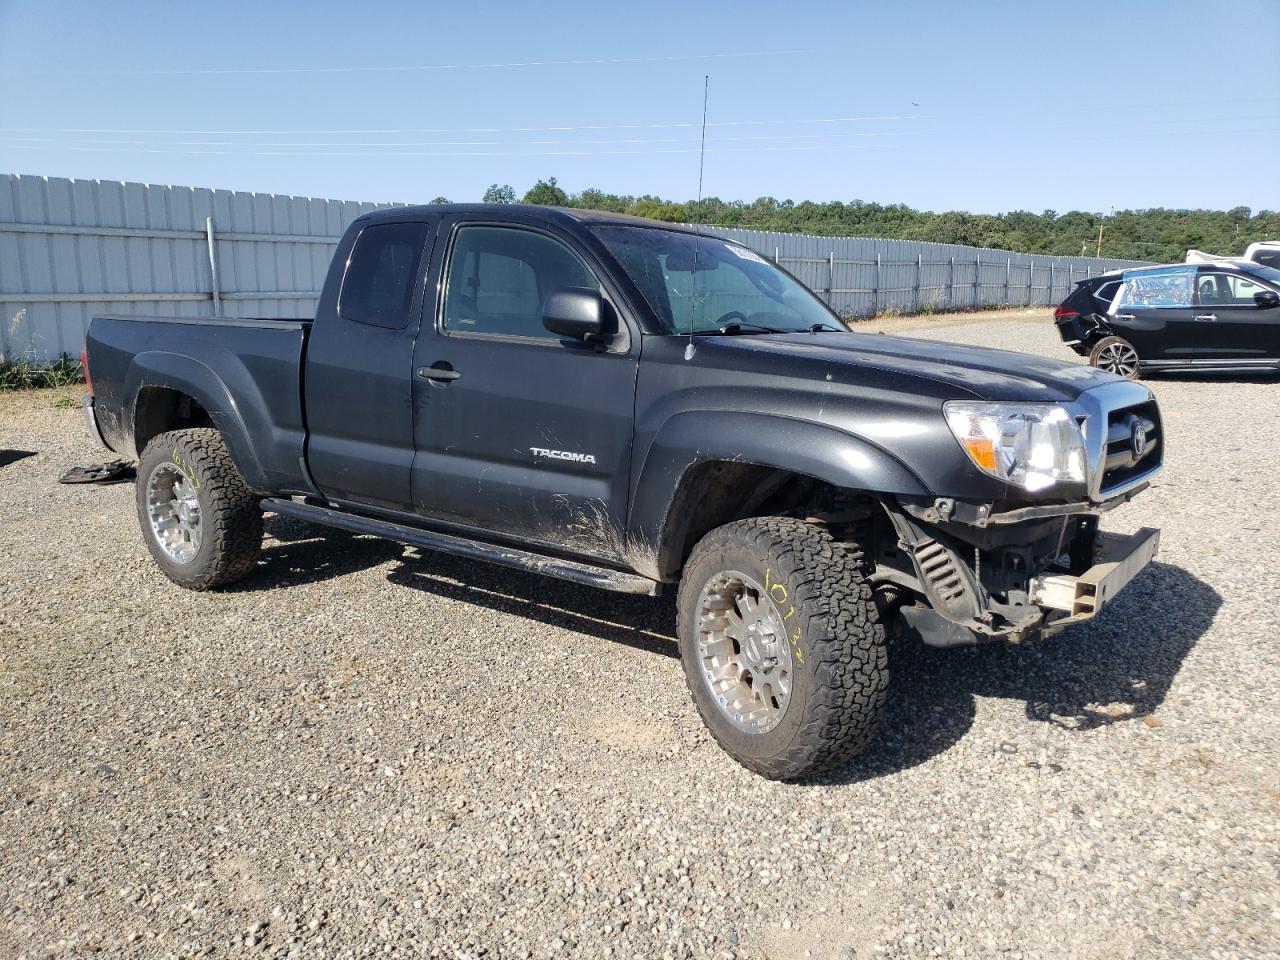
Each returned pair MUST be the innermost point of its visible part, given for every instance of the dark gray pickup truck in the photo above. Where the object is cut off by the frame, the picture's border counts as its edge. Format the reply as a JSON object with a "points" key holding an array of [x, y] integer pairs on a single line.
{"points": [[630, 405]]}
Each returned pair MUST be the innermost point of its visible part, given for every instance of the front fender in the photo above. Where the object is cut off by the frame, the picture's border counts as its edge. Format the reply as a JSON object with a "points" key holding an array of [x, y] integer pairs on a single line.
{"points": [[784, 443], [186, 375]]}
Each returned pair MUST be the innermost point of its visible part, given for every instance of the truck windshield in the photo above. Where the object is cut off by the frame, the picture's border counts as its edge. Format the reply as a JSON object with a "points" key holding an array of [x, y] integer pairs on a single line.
{"points": [[699, 284]]}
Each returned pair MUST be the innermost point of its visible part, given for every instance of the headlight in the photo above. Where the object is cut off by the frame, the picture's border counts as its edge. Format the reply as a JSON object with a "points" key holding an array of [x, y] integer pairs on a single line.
{"points": [[1031, 445]]}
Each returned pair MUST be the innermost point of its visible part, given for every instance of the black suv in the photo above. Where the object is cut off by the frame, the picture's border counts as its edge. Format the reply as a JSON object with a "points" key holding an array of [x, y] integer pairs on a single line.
{"points": [[1208, 316]]}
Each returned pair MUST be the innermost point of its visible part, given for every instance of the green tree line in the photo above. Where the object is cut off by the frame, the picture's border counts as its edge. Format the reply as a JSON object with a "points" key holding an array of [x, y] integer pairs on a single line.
{"points": [[1155, 234]]}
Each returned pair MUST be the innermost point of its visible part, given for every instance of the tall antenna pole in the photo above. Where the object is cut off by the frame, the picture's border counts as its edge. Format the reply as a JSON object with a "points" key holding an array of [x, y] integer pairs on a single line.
{"points": [[702, 154], [689, 349]]}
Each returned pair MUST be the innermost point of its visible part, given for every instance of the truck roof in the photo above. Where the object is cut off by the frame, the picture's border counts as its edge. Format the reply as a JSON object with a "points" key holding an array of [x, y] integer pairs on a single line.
{"points": [[529, 211]]}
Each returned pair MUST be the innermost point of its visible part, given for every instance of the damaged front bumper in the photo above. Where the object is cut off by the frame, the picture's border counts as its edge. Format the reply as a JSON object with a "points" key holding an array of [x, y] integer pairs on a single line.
{"points": [[1120, 558], [1056, 601]]}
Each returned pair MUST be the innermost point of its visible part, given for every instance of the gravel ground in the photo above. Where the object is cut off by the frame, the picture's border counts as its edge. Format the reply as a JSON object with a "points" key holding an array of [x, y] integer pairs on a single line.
{"points": [[361, 751]]}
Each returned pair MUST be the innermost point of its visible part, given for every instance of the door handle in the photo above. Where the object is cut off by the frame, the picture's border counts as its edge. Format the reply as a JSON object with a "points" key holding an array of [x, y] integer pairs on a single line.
{"points": [[1125, 316], [1207, 317], [441, 371]]}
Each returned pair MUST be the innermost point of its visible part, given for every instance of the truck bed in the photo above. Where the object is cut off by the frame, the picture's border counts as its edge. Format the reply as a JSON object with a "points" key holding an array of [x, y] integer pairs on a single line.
{"points": [[248, 378]]}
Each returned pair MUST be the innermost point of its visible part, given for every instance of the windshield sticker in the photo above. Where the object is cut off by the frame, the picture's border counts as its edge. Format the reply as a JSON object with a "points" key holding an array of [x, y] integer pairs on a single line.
{"points": [[746, 254]]}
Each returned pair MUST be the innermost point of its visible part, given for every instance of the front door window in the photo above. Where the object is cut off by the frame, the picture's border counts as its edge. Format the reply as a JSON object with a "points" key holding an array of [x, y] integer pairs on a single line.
{"points": [[499, 278], [1226, 289]]}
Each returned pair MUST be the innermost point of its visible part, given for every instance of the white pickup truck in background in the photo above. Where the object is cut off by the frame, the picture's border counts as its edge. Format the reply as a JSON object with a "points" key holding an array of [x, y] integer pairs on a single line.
{"points": [[1265, 252]]}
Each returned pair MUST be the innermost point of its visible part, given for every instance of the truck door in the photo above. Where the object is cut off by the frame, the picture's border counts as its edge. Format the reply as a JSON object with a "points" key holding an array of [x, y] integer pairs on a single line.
{"points": [[358, 382], [520, 433]]}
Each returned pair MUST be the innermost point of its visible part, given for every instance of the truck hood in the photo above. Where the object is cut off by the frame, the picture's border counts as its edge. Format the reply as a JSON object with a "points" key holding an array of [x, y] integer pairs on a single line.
{"points": [[978, 373]]}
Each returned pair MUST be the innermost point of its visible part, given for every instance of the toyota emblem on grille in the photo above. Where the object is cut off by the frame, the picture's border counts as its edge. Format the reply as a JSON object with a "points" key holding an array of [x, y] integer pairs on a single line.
{"points": [[1138, 439]]}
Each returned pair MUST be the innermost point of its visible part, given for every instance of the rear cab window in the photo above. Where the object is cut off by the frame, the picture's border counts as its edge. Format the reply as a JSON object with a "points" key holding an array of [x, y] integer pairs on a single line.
{"points": [[378, 286], [1268, 258]]}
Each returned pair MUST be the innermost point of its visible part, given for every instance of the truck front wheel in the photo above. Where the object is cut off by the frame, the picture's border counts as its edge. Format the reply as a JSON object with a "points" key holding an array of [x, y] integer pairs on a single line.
{"points": [[782, 646], [202, 524]]}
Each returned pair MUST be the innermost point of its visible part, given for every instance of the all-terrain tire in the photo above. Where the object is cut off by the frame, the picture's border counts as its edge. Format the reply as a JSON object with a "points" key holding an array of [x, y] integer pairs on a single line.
{"points": [[230, 517], [839, 660], [1116, 355]]}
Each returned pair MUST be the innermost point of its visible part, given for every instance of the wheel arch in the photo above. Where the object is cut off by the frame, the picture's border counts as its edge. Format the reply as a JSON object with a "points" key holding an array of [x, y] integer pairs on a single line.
{"points": [[157, 410], [707, 469], [162, 386]]}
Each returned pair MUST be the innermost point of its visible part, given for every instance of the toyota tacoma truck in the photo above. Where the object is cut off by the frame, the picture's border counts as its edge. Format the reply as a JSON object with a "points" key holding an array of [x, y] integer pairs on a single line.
{"points": [[641, 407]]}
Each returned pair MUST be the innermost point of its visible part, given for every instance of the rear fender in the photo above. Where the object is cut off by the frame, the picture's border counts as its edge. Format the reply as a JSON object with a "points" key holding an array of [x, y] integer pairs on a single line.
{"points": [[1094, 327], [186, 375], [1083, 328], [779, 443]]}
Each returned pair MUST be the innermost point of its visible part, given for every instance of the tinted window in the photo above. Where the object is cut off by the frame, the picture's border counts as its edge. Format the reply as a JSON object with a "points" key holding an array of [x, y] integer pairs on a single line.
{"points": [[1172, 289], [499, 277], [378, 285], [1106, 293]]}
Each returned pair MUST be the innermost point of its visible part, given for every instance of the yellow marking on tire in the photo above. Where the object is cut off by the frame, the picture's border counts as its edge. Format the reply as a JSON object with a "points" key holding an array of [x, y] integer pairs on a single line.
{"points": [[186, 470]]}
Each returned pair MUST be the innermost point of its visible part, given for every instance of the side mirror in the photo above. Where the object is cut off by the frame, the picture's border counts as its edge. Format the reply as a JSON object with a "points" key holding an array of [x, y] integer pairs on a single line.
{"points": [[575, 312], [1266, 299]]}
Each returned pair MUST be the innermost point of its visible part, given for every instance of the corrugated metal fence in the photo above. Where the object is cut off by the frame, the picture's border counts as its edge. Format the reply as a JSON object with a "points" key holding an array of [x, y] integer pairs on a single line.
{"points": [[73, 248], [862, 276]]}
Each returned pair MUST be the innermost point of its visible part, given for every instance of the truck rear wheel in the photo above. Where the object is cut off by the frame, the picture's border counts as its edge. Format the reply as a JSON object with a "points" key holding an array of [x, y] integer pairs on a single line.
{"points": [[782, 646], [201, 522]]}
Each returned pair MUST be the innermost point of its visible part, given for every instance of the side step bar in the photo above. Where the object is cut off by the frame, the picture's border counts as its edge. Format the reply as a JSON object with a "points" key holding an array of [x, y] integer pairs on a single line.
{"points": [[591, 576]]}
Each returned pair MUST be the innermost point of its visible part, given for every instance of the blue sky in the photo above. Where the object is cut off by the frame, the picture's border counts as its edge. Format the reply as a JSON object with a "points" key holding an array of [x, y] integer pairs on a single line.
{"points": [[986, 106]]}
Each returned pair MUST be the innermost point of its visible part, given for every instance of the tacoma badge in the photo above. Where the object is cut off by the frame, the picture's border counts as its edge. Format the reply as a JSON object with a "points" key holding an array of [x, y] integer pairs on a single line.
{"points": [[562, 455]]}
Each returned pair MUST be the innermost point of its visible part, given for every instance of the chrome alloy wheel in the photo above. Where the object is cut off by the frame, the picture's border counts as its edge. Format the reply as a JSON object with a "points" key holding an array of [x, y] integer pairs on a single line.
{"points": [[1118, 358], [744, 652], [173, 507]]}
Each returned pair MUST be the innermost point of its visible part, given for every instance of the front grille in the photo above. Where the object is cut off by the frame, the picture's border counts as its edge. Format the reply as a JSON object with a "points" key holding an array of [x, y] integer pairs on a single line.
{"points": [[1129, 453]]}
